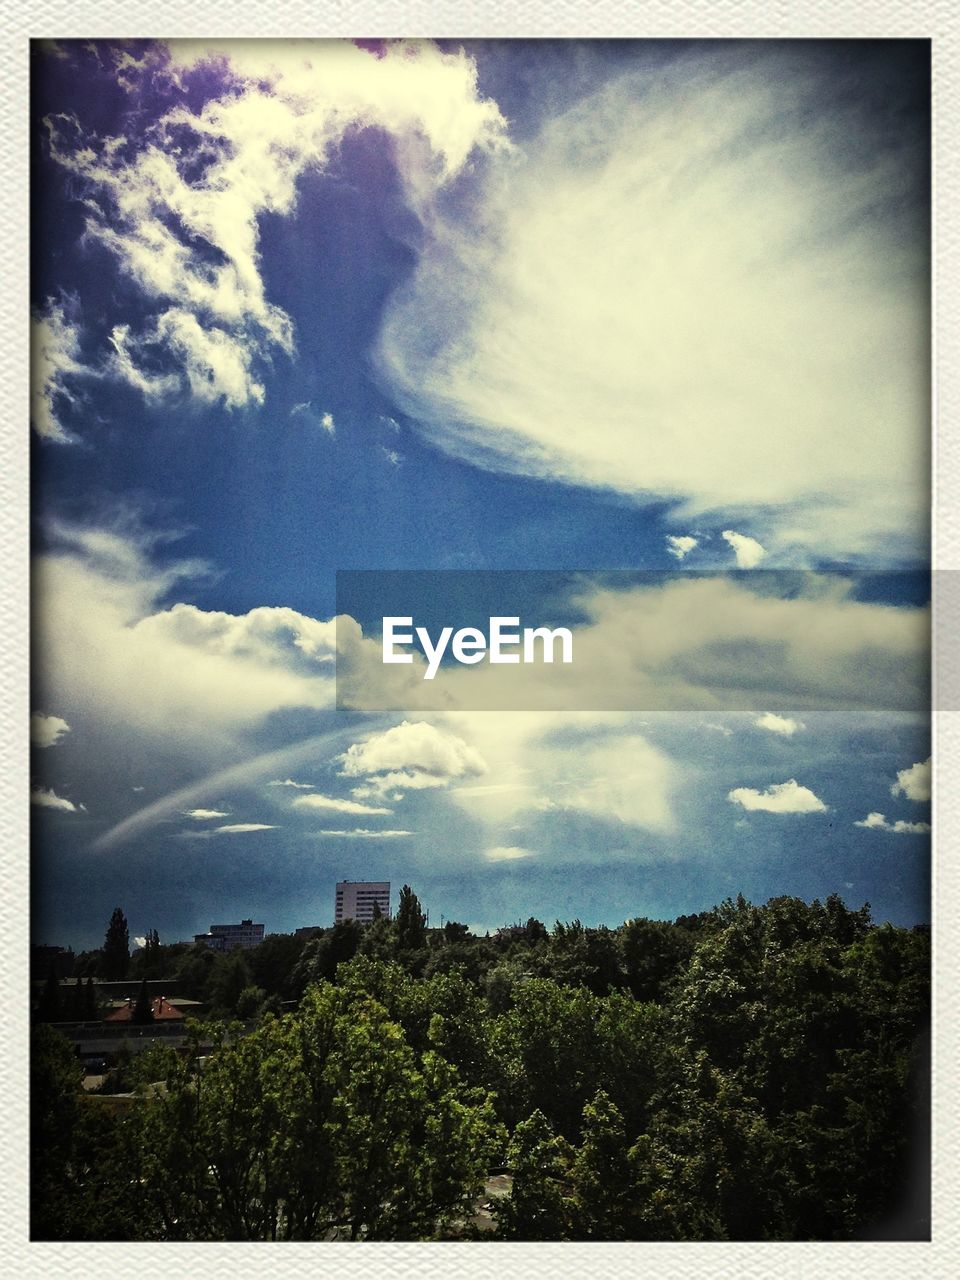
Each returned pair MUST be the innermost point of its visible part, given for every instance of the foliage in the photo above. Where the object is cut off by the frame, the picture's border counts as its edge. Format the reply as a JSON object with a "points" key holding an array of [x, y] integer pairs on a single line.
{"points": [[748, 1073], [115, 957]]}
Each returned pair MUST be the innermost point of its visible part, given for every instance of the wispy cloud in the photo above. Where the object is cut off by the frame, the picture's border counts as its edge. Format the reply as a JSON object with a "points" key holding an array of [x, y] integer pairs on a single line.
{"points": [[336, 805], [364, 833], [204, 815]]}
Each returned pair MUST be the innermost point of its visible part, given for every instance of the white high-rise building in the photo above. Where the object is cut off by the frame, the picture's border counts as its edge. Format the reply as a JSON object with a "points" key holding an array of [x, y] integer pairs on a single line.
{"points": [[356, 900]]}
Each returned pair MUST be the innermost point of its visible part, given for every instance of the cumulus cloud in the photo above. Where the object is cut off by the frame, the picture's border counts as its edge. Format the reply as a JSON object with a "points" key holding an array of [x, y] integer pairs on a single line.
{"points": [[139, 941], [748, 550], [47, 798], [336, 805], [54, 364], [410, 756], [111, 648], [914, 783], [781, 797], [326, 421], [779, 724], [204, 815], [506, 853], [878, 822], [46, 731], [680, 546], [683, 262], [180, 212]]}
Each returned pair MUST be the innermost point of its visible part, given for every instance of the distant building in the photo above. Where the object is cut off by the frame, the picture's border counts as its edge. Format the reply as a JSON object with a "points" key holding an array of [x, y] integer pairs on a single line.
{"points": [[359, 900], [232, 937], [308, 931], [163, 1011]]}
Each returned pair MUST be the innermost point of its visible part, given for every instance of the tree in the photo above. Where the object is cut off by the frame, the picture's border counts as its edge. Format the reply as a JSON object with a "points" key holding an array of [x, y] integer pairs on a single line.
{"points": [[143, 1009], [49, 1008], [325, 1124], [410, 923], [116, 948], [539, 1205]]}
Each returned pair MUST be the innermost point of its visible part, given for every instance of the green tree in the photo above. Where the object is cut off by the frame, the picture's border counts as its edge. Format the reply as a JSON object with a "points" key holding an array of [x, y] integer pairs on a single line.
{"points": [[116, 948], [540, 1205], [410, 924]]}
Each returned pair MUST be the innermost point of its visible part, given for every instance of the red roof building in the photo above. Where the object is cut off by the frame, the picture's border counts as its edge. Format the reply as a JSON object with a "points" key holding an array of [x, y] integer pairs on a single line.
{"points": [[163, 1011]]}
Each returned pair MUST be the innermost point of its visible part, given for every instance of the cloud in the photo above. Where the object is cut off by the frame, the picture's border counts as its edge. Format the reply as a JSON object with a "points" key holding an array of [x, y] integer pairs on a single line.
{"points": [[326, 421], [179, 207], [506, 853], [877, 822], [48, 799], [717, 728], [336, 805], [692, 284], [781, 797], [140, 941], [46, 731], [365, 833], [112, 650], [748, 551], [54, 363], [203, 815], [289, 782], [240, 828], [680, 546], [779, 724], [914, 783], [410, 756]]}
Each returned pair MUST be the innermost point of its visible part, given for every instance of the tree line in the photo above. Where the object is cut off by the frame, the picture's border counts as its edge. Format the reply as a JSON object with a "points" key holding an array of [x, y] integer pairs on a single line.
{"points": [[752, 1072]]}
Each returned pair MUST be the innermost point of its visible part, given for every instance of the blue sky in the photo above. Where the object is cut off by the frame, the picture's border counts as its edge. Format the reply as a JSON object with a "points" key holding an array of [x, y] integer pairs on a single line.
{"points": [[500, 305]]}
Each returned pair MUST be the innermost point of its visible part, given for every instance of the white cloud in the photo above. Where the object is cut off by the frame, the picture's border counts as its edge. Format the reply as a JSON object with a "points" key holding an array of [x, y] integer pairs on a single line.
{"points": [[506, 853], [182, 216], [781, 797], [48, 799], [326, 421], [365, 833], [877, 822], [717, 728], [54, 363], [680, 546], [204, 815], [111, 651], [46, 731], [779, 724], [410, 756], [289, 782], [914, 783], [748, 551], [684, 292], [139, 941], [239, 828], [336, 805]]}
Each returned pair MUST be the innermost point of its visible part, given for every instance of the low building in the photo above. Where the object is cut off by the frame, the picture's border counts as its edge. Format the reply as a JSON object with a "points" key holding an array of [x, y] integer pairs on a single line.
{"points": [[161, 1008], [232, 937]]}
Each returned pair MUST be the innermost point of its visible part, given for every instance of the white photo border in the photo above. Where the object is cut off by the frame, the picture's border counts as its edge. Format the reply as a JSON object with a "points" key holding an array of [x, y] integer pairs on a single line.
{"points": [[91, 19]]}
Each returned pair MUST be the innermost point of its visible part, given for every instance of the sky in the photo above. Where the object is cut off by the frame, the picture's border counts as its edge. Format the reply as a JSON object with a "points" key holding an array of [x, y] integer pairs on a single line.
{"points": [[647, 320]]}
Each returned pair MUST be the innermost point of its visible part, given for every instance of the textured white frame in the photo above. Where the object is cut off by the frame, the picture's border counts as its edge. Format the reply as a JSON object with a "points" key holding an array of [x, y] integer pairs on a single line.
{"points": [[938, 20]]}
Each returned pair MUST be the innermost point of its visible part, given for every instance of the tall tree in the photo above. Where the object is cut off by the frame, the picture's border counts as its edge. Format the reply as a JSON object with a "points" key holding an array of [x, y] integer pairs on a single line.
{"points": [[143, 1009], [116, 948], [411, 923]]}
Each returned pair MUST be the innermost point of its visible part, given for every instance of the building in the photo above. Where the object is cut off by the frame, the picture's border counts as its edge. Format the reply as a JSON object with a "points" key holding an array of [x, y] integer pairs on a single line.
{"points": [[163, 1010], [359, 900], [232, 937]]}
